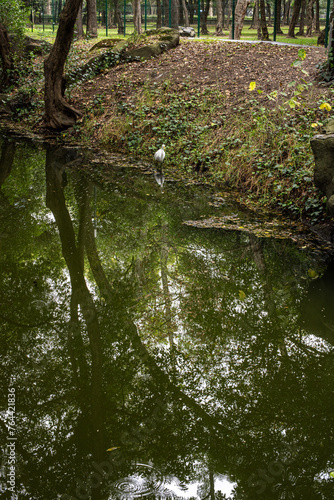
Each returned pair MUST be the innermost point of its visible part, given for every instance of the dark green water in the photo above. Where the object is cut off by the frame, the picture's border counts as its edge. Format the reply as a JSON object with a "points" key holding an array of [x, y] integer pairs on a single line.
{"points": [[144, 358]]}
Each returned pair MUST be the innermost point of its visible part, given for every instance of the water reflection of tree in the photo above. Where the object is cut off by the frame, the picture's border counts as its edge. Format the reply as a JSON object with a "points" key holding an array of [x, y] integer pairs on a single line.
{"points": [[229, 397]]}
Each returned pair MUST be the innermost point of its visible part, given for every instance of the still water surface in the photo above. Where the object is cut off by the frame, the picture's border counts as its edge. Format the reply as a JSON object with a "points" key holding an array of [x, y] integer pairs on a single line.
{"points": [[142, 357]]}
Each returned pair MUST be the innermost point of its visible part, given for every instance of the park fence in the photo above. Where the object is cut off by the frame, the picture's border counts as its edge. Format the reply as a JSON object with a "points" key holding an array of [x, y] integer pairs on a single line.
{"points": [[117, 17]]}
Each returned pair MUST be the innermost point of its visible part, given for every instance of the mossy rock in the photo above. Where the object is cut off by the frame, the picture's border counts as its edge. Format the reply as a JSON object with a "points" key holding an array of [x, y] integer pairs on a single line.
{"points": [[105, 43], [146, 52], [323, 151], [168, 39], [329, 129]]}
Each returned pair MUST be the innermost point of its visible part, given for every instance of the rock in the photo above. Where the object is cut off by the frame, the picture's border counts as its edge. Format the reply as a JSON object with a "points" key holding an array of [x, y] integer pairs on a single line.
{"points": [[5, 108], [323, 151], [329, 128], [189, 32], [37, 47], [105, 43], [168, 38]]}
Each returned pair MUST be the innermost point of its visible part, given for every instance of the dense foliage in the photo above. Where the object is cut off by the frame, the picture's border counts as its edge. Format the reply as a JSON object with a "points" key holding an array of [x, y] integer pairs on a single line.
{"points": [[13, 16]]}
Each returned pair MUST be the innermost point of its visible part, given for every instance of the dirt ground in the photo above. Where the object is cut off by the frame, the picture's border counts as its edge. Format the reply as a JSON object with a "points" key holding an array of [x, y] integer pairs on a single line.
{"points": [[228, 66]]}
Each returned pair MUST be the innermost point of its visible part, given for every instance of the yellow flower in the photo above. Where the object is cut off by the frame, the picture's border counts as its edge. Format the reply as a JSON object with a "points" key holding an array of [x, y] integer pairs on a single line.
{"points": [[314, 125], [326, 106], [252, 86]]}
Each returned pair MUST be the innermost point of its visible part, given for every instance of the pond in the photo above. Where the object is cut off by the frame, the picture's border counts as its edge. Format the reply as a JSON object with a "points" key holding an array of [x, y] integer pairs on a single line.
{"points": [[145, 355]]}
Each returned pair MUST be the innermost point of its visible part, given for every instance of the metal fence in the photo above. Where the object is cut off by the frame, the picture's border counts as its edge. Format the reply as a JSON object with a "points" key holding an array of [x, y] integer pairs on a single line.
{"points": [[119, 20], [170, 13]]}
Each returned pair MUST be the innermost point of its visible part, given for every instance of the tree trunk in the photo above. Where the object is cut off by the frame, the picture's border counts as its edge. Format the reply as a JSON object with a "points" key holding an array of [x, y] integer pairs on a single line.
{"points": [[286, 15], [278, 17], [186, 22], [269, 14], [239, 17], [58, 113], [220, 21], [317, 16], [204, 16], [256, 19], [79, 31], [136, 16], [159, 14], [175, 13], [91, 19], [294, 19], [119, 22], [309, 17], [263, 22], [6, 55], [301, 31]]}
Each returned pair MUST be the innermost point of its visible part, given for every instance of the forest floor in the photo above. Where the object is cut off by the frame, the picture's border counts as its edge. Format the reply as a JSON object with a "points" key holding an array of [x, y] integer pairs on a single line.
{"points": [[227, 66]]}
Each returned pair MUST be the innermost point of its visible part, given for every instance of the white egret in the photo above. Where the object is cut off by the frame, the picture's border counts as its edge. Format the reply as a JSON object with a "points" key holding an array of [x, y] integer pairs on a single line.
{"points": [[160, 154]]}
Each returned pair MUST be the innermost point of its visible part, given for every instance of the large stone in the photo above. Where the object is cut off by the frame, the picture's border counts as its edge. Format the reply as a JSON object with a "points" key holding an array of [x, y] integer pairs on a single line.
{"points": [[323, 150], [165, 39], [189, 32], [5, 108]]}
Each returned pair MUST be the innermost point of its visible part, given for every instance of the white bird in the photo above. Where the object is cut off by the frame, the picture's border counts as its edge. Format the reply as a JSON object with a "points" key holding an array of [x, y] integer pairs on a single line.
{"points": [[160, 154]]}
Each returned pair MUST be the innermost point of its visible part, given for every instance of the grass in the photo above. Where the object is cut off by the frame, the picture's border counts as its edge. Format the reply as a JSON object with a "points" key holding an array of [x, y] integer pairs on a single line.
{"points": [[247, 34]]}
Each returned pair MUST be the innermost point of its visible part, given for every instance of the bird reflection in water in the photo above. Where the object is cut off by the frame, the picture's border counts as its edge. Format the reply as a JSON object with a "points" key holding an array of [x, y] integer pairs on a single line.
{"points": [[160, 178], [159, 156]]}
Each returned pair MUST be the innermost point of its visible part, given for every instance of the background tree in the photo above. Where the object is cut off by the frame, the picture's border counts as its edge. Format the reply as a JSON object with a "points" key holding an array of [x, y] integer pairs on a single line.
{"points": [[205, 7], [220, 18], [239, 16], [91, 19], [58, 113], [263, 22], [294, 18], [136, 15]]}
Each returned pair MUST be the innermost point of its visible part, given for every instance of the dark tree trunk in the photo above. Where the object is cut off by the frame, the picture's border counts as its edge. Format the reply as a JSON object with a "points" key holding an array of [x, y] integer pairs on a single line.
{"points": [[58, 113], [294, 18], [204, 16], [191, 12], [79, 31], [91, 19], [278, 17], [263, 22], [6, 55], [159, 14], [317, 16], [301, 31]]}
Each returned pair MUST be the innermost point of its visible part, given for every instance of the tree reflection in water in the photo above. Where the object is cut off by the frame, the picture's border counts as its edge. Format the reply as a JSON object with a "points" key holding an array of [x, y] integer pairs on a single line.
{"points": [[149, 355]]}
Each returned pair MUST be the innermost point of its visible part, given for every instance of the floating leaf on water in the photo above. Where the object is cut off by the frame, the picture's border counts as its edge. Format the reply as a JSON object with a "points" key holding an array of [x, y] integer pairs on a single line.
{"points": [[113, 448], [331, 473], [242, 295], [312, 274]]}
